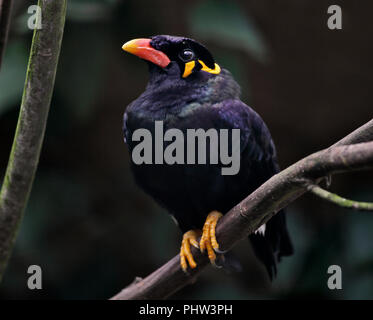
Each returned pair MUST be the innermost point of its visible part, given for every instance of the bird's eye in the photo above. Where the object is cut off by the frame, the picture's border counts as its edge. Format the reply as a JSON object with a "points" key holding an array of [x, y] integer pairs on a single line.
{"points": [[186, 55]]}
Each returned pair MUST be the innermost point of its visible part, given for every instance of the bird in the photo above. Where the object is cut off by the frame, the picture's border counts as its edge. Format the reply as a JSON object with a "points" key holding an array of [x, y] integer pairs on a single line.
{"points": [[187, 90]]}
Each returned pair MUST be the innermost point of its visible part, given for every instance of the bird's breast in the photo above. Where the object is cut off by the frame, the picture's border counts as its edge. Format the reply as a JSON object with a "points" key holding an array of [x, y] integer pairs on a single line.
{"points": [[187, 186]]}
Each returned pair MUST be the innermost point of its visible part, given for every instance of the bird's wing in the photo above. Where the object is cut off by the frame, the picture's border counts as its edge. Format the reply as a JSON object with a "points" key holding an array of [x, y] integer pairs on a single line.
{"points": [[258, 155], [256, 141]]}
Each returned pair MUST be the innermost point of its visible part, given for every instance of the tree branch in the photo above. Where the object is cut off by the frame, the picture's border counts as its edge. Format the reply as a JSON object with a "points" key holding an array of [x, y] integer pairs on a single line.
{"points": [[361, 134], [259, 207], [5, 13], [27, 143], [338, 200]]}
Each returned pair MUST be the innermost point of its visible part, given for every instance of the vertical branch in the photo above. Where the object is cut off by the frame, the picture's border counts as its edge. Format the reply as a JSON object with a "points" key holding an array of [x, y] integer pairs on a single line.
{"points": [[5, 13], [27, 143]]}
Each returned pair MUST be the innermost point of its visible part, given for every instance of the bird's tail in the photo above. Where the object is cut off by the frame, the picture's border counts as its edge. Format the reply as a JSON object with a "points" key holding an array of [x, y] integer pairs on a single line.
{"points": [[272, 243]]}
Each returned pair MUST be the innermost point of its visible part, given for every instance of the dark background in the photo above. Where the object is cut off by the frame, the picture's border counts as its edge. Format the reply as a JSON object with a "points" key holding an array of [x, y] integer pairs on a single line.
{"points": [[92, 230]]}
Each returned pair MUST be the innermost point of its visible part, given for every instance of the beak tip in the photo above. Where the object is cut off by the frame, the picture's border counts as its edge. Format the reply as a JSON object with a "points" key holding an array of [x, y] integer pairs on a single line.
{"points": [[128, 45]]}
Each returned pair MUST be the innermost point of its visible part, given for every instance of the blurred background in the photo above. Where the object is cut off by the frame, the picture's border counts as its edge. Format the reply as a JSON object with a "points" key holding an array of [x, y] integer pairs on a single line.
{"points": [[92, 230]]}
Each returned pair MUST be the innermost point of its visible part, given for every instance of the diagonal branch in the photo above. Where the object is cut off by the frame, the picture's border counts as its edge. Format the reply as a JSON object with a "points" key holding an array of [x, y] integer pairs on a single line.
{"points": [[338, 200], [259, 207], [361, 134], [27, 143]]}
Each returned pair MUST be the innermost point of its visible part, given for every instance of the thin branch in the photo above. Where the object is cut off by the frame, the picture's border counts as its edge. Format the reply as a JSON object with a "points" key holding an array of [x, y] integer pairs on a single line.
{"points": [[258, 208], [361, 134], [5, 13], [27, 143], [338, 200]]}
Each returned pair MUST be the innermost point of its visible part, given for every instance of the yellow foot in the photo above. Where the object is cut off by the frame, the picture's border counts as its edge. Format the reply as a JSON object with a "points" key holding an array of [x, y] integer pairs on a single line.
{"points": [[208, 239], [189, 238]]}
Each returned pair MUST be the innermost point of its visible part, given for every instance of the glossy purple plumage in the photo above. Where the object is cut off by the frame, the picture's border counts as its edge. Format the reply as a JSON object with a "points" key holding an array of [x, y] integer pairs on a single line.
{"points": [[190, 192]]}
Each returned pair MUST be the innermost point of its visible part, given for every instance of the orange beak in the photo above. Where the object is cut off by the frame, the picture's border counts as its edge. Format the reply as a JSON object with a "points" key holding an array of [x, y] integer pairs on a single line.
{"points": [[143, 49]]}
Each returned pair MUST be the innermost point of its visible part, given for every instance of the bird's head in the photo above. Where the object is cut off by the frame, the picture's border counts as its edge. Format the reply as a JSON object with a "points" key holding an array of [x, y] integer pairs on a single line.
{"points": [[164, 51]]}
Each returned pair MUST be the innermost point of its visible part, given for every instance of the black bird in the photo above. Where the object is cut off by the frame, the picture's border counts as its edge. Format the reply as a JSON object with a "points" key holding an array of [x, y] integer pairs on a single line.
{"points": [[188, 90]]}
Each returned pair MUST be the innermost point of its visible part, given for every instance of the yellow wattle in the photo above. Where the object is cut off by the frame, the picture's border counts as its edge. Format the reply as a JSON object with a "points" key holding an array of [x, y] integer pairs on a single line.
{"points": [[216, 70], [189, 66]]}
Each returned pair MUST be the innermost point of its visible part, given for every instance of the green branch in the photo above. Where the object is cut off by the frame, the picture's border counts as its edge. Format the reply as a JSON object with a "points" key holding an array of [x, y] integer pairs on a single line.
{"points": [[336, 199], [27, 143]]}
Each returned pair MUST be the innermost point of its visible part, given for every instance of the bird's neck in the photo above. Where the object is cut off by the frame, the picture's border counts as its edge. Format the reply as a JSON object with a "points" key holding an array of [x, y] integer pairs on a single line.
{"points": [[200, 86], [167, 94]]}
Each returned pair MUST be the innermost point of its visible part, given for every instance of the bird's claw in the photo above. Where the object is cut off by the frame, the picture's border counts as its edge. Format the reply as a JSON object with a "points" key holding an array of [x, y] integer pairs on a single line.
{"points": [[186, 257], [208, 240]]}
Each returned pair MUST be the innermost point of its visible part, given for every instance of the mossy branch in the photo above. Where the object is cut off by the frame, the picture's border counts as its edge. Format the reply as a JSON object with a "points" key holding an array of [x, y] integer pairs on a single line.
{"points": [[28, 139], [340, 201]]}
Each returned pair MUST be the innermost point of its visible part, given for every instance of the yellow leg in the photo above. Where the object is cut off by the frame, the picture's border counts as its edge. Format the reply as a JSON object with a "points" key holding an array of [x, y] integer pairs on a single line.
{"points": [[186, 257], [208, 239]]}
